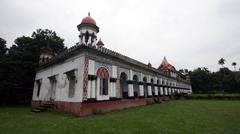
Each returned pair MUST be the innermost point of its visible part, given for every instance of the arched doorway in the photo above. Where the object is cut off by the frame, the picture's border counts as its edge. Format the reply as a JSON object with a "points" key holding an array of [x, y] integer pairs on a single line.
{"points": [[145, 86], [124, 85], [135, 86]]}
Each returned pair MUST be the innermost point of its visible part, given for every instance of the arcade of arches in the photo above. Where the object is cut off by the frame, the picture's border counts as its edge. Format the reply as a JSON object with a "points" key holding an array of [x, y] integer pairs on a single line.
{"points": [[137, 88]]}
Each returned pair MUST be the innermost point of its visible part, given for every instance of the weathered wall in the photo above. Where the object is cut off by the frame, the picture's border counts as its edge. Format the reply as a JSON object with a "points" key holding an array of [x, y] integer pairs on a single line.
{"points": [[62, 87]]}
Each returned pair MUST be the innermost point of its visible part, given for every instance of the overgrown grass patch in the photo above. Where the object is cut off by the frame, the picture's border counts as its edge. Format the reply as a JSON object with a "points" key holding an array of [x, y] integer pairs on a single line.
{"points": [[173, 117]]}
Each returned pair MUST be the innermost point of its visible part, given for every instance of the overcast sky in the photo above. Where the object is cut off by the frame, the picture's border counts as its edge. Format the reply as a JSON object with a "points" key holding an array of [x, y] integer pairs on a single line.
{"points": [[190, 33]]}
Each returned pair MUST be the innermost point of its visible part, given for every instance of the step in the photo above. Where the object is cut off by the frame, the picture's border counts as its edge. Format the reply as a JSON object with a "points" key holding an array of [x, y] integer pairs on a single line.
{"points": [[46, 106], [36, 110], [42, 108]]}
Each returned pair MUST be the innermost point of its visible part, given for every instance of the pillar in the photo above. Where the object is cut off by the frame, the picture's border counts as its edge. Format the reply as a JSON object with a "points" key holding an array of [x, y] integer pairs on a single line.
{"points": [[113, 87], [156, 90], [130, 90], [161, 90], [93, 89], [141, 90], [149, 93], [166, 91]]}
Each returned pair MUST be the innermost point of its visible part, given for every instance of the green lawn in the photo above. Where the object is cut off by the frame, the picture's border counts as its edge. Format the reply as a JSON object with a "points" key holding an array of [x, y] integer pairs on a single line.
{"points": [[174, 117]]}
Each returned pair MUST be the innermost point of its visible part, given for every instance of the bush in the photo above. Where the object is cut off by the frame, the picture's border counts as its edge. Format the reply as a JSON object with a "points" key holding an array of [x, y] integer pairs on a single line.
{"points": [[216, 96]]}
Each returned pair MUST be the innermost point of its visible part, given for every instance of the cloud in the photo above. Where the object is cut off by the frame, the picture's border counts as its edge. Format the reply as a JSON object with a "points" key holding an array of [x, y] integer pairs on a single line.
{"points": [[190, 33]]}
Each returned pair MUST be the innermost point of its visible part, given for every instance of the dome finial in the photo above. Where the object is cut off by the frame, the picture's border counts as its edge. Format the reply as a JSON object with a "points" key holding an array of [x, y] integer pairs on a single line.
{"points": [[88, 13]]}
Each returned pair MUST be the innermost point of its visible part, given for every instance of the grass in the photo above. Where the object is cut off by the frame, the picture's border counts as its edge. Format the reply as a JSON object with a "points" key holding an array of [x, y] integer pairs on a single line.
{"points": [[174, 117]]}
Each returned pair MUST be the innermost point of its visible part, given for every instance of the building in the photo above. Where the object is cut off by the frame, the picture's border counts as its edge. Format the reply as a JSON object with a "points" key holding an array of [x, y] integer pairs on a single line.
{"points": [[88, 77]]}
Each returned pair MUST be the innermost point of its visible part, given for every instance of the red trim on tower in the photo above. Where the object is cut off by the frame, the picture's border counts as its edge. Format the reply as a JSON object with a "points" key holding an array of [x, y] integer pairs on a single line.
{"points": [[85, 78]]}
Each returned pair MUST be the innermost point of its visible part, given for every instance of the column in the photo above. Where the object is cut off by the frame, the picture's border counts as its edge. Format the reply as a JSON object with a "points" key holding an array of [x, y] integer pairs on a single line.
{"points": [[166, 91], [89, 89], [169, 91], [113, 87], [93, 89], [141, 90], [130, 90], [155, 90], [149, 92], [91, 86], [161, 90]]}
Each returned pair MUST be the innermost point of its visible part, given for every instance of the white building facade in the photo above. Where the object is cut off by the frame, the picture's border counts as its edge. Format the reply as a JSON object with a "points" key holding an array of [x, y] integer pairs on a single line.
{"points": [[89, 76]]}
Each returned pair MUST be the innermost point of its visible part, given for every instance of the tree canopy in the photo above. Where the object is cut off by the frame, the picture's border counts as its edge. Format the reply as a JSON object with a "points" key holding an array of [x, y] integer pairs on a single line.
{"points": [[221, 62], [3, 47], [224, 80], [234, 65], [17, 67]]}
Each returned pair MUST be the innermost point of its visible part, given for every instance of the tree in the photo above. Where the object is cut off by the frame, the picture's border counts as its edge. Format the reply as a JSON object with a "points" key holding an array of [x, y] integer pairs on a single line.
{"points": [[3, 47], [48, 38], [28, 48], [181, 71], [200, 80], [221, 62], [224, 80], [17, 72], [234, 65]]}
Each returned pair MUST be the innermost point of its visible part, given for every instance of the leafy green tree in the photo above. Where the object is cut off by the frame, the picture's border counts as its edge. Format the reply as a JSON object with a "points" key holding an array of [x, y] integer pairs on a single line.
{"points": [[3, 47], [221, 62], [48, 38], [28, 48], [181, 71], [200, 80], [18, 68], [234, 65], [224, 80]]}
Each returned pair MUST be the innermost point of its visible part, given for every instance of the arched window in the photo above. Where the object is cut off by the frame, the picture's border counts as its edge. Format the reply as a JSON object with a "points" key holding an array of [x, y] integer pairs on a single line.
{"points": [[152, 86], [135, 85], [72, 83], [158, 87], [103, 75], [124, 85], [145, 85]]}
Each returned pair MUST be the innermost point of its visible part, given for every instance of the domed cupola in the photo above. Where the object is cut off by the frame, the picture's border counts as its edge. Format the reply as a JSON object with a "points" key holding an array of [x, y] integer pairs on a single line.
{"points": [[88, 31]]}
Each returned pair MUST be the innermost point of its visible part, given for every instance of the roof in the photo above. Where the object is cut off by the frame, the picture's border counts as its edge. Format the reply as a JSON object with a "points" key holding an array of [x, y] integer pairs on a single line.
{"points": [[102, 50], [166, 66], [89, 20]]}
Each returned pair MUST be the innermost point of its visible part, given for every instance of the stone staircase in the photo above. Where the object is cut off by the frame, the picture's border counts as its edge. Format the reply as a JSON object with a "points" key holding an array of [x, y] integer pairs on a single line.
{"points": [[43, 107]]}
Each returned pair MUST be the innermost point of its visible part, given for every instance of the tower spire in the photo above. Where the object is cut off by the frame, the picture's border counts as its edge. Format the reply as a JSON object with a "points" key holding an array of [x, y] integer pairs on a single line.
{"points": [[88, 13]]}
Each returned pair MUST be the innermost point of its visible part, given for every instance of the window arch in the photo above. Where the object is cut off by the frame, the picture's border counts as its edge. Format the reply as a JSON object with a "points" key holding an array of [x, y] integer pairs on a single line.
{"points": [[145, 85], [152, 86], [124, 85], [135, 85], [103, 75]]}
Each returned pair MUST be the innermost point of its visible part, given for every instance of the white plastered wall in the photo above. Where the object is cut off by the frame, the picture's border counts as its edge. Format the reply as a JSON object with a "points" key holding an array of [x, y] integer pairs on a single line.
{"points": [[62, 88]]}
